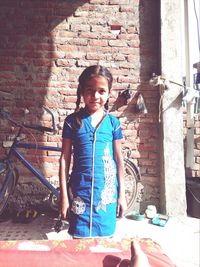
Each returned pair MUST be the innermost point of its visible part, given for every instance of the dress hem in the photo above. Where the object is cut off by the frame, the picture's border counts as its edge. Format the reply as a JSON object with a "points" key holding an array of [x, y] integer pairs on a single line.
{"points": [[90, 237]]}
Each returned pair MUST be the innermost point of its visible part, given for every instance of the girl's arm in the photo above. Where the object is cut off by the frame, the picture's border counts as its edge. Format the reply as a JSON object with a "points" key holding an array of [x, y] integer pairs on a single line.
{"points": [[65, 160], [121, 207]]}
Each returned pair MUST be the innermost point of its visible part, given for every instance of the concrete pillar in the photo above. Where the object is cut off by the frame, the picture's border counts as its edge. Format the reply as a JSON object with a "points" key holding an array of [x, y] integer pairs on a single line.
{"points": [[172, 186]]}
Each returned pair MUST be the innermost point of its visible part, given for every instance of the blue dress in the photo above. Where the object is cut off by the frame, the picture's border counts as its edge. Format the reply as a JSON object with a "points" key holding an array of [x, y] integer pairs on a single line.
{"points": [[93, 181]]}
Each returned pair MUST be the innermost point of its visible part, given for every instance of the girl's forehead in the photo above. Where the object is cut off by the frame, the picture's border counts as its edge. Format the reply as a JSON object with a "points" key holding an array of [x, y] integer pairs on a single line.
{"points": [[97, 80]]}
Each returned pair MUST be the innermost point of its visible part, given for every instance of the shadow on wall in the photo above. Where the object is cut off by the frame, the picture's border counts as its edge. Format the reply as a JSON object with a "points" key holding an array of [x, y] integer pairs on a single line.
{"points": [[27, 48], [149, 17], [28, 77]]}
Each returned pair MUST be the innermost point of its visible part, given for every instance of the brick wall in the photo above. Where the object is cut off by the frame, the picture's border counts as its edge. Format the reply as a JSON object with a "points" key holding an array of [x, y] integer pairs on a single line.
{"points": [[45, 45], [195, 170]]}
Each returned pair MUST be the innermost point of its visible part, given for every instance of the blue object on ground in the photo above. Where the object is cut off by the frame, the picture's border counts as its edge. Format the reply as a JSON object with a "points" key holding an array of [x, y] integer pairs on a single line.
{"points": [[160, 220], [135, 216]]}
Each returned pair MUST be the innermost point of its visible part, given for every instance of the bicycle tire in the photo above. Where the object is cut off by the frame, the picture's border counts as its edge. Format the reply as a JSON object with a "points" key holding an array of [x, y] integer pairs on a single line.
{"points": [[131, 179], [8, 179]]}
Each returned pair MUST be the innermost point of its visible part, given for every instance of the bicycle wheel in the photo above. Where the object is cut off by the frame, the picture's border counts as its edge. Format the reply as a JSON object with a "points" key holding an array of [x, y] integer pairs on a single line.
{"points": [[8, 178], [132, 177]]}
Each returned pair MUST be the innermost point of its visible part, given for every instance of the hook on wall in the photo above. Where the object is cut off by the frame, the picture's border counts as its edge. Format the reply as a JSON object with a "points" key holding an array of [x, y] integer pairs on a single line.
{"points": [[126, 94], [140, 105]]}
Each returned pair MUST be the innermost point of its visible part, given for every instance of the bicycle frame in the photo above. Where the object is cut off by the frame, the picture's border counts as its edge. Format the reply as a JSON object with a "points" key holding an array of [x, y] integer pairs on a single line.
{"points": [[14, 151]]}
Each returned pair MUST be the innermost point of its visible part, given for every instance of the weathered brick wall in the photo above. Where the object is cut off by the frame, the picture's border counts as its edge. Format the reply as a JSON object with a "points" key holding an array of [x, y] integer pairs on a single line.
{"points": [[45, 45], [195, 170]]}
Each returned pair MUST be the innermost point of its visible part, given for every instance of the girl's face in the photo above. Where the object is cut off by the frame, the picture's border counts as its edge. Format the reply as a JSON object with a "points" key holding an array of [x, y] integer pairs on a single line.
{"points": [[95, 93]]}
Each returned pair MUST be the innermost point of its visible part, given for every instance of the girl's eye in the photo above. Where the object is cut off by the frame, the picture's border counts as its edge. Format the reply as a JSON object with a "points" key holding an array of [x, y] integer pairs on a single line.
{"points": [[102, 91]]}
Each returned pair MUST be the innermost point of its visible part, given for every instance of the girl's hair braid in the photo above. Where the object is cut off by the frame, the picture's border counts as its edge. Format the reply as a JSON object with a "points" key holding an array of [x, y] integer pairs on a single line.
{"points": [[78, 122], [106, 104], [78, 101]]}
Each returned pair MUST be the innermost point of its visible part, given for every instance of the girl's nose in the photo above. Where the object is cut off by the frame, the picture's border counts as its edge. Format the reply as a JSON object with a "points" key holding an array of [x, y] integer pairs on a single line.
{"points": [[95, 94]]}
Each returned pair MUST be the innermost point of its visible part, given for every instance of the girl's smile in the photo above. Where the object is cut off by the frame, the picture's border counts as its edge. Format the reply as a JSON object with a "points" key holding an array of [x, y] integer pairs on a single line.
{"points": [[95, 93]]}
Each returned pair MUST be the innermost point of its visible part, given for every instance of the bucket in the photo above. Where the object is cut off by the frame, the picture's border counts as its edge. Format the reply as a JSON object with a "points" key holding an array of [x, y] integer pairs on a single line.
{"points": [[193, 197]]}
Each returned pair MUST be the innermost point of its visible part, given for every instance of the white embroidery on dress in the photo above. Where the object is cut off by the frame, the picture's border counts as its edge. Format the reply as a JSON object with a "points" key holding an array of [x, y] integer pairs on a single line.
{"points": [[107, 195], [78, 206]]}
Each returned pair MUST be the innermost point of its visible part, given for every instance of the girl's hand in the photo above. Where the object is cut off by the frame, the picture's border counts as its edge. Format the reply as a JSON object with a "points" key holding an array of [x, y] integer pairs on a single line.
{"points": [[64, 208], [121, 206]]}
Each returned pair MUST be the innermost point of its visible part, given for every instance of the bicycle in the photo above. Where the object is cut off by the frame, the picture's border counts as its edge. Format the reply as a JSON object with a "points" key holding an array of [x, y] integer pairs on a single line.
{"points": [[9, 173]]}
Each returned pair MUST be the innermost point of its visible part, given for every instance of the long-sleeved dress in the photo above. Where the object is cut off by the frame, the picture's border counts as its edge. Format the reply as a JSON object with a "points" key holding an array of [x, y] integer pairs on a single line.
{"points": [[93, 181]]}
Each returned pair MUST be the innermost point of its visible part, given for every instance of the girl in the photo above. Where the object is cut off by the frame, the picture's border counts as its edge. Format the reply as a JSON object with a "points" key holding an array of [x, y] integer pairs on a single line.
{"points": [[95, 194]]}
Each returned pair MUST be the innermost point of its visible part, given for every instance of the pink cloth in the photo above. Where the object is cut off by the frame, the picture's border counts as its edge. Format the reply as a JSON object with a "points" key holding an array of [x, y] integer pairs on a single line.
{"points": [[77, 253]]}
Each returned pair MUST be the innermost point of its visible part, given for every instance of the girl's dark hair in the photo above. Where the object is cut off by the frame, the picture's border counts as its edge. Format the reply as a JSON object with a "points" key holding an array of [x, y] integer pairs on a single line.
{"points": [[88, 73]]}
